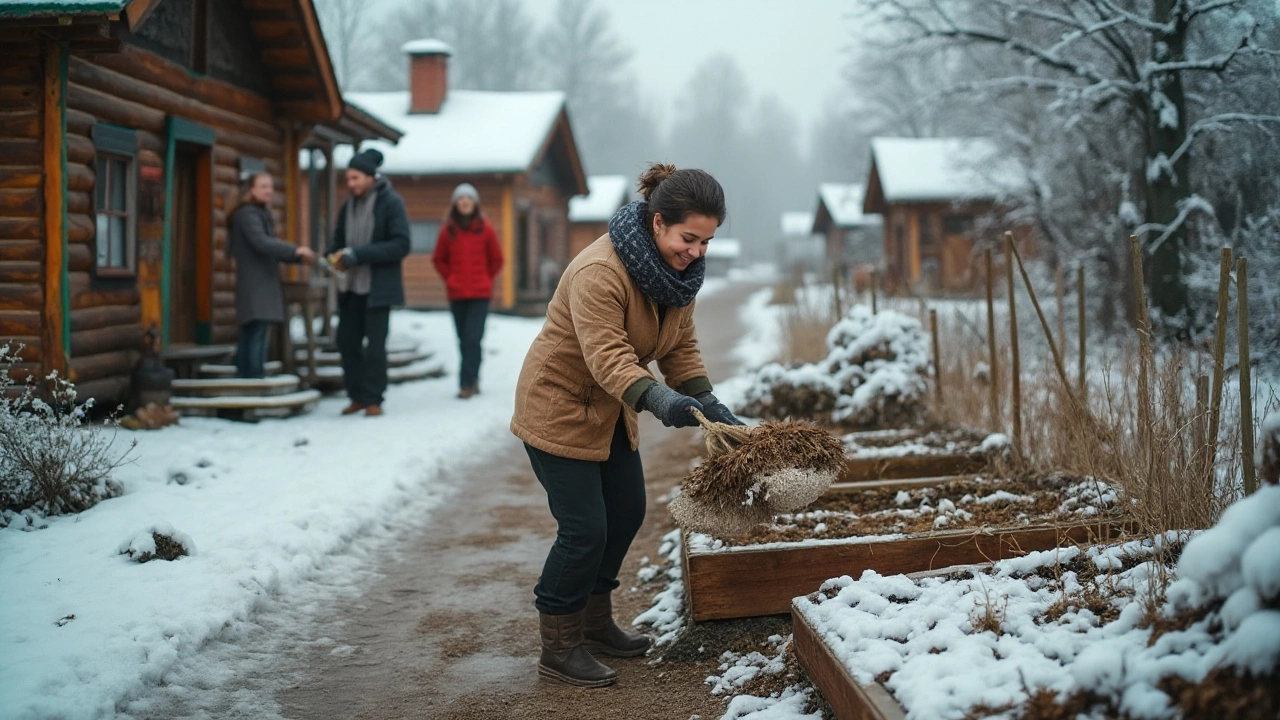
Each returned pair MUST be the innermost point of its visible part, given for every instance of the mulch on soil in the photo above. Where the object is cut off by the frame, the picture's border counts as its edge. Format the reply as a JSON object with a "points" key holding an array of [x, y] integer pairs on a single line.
{"points": [[964, 503]]}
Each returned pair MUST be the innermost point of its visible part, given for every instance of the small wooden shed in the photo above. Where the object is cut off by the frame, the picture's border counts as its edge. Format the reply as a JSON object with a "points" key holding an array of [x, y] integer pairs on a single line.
{"points": [[852, 235], [589, 216], [936, 195], [516, 148], [124, 131]]}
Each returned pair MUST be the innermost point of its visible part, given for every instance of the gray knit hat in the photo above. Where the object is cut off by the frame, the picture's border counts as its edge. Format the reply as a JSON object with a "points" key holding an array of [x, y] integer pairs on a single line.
{"points": [[464, 190]]}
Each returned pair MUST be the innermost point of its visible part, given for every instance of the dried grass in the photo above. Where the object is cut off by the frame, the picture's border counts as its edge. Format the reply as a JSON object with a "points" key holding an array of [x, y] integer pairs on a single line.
{"points": [[805, 333], [726, 480]]}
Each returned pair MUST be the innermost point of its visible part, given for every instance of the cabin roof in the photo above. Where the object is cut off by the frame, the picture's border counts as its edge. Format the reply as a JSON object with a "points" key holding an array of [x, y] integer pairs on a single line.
{"points": [[729, 248], [48, 8], [841, 204], [941, 170], [606, 193], [475, 131]]}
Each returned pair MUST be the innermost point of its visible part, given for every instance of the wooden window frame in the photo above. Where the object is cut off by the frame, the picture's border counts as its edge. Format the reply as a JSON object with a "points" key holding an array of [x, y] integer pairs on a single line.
{"points": [[434, 226], [129, 267]]}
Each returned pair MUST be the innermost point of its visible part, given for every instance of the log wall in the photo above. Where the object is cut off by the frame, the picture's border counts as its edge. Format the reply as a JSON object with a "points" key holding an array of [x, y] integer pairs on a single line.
{"points": [[22, 253]]}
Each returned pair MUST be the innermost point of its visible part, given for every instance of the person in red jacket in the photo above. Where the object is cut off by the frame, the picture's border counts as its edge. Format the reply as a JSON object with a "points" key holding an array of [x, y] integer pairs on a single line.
{"points": [[468, 257]]}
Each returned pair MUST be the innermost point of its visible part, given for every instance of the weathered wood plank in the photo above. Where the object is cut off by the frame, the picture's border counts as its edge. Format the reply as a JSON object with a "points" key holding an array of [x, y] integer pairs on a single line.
{"points": [[911, 466], [108, 108], [20, 151], [80, 229], [848, 698], [20, 202], [749, 582], [105, 365], [847, 488], [79, 257], [20, 271], [100, 316], [80, 178], [18, 176], [80, 149], [106, 340], [79, 203], [23, 123], [55, 197], [17, 250], [79, 122], [19, 323], [21, 228], [106, 392], [135, 62]]}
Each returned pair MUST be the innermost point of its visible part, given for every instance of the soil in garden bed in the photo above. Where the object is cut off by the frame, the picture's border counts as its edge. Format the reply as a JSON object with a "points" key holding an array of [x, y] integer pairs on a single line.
{"points": [[895, 442], [975, 502]]}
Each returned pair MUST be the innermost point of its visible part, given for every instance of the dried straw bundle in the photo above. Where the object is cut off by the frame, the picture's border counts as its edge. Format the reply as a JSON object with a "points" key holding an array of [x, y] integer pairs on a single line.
{"points": [[751, 474]]}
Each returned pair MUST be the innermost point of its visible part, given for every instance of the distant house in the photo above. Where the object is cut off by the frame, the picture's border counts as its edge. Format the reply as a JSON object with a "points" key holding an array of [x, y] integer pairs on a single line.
{"points": [[589, 216], [516, 148], [125, 130], [723, 255], [800, 248], [853, 236], [932, 192]]}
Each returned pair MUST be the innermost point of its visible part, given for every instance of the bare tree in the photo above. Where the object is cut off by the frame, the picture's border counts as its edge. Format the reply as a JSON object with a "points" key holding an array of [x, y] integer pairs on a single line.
{"points": [[1128, 62], [345, 24]]}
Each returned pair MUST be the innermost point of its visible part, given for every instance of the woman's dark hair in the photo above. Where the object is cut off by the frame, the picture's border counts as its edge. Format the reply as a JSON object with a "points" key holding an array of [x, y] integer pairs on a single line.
{"points": [[677, 194], [460, 220]]}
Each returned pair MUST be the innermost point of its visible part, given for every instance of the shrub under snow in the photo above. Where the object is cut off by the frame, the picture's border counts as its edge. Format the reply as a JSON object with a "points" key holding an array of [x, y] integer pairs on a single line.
{"points": [[874, 375], [159, 540]]}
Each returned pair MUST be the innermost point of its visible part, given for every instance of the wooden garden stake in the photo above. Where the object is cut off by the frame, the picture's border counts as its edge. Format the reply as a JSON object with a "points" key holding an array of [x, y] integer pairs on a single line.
{"points": [[1144, 351], [1059, 286], [1084, 335], [875, 282], [937, 362], [1044, 325], [1015, 367], [994, 370], [1219, 354], [1200, 423], [1246, 387], [835, 291]]}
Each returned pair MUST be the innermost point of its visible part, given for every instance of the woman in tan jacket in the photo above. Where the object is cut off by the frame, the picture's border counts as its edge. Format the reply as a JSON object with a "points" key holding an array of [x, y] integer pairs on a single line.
{"points": [[625, 301]]}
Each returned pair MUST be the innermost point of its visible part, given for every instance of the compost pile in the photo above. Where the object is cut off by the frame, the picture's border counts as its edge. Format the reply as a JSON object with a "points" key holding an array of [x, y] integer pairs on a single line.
{"points": [[874, 375], [752, 474]]}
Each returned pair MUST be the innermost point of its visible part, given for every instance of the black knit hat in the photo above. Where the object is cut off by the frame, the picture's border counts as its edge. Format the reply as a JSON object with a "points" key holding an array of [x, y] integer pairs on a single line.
{"points": [[366, 161]]}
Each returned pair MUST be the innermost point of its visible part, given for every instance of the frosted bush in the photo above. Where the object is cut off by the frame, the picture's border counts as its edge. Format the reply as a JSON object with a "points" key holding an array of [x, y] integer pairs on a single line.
{"points": [[874, 375], [53, 460]]}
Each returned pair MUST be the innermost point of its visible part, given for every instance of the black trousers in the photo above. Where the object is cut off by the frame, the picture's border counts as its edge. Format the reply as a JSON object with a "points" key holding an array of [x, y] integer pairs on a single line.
{"points": [[599, 507], [468, 319], [364, 365]]}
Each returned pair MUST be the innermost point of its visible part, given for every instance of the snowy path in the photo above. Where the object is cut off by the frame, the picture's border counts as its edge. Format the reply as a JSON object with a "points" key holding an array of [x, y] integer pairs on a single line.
{"points": [[437, 622]]}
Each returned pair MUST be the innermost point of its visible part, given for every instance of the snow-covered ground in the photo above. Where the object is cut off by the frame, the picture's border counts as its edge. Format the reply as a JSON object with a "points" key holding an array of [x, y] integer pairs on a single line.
{"points": [[268, 506]]}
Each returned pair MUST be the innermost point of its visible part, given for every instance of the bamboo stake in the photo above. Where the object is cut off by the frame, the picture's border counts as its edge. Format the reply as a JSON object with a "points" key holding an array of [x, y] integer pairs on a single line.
{"points": [[1044, 324], [1015, 368], [1144, 388], [1219, 355], [937, 361], [1084, 335], [1059, 286], [875, 282], [1246, 386], [991, 343]]}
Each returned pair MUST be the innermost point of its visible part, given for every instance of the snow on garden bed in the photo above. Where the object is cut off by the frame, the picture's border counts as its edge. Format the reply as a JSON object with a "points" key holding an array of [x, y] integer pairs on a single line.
{"points": [[764, 686], [873, 375], [268, 505], [1088, 628], [908, 442]]}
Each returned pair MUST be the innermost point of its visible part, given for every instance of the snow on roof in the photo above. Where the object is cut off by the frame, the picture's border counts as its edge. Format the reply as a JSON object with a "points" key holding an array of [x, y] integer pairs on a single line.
{"points": [[844, 203], [797, 223], [606, 193], [724, 248], [426, 46], [474, 132], [919, 169]]}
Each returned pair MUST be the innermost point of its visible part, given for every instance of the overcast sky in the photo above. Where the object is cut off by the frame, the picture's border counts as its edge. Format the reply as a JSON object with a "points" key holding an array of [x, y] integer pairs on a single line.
{"points": [[791, 49]]}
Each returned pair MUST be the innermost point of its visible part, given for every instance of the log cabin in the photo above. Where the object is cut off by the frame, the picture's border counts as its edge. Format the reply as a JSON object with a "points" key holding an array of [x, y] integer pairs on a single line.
{"points": [[938, 197], [589, 216], [516, 148], [125, 128], [851, 237]]}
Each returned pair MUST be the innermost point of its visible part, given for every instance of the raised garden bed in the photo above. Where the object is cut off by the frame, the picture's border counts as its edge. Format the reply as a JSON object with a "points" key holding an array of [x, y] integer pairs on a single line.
{"points": [[891, 530], [909, 453]]}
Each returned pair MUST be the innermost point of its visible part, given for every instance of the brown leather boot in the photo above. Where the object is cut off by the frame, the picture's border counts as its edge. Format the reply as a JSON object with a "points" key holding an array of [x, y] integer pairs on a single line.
{"points": [[602, 635], [353, 408], [564, 659]]}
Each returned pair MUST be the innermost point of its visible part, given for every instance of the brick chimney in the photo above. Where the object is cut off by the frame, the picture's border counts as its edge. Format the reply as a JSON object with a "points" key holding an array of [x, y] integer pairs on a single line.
{"points": [[428, 74]]}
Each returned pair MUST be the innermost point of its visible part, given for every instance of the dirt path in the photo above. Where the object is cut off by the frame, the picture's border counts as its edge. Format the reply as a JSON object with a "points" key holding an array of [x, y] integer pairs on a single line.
{"points": [[449, 630]]}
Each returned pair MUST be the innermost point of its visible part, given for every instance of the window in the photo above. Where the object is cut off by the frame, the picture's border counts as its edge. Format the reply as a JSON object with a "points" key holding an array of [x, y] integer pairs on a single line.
{"points": [[928, 238], [422, 236], [115, 199], [956, 224]]}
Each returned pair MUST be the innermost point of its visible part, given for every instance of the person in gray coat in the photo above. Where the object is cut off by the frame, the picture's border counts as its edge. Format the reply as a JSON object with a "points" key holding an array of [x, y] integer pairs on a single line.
{"points": [[258, 253]]}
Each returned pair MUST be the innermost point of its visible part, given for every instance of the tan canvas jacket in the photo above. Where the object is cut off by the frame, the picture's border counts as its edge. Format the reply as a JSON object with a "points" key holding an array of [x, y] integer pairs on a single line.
{"points": [[590, 362]]}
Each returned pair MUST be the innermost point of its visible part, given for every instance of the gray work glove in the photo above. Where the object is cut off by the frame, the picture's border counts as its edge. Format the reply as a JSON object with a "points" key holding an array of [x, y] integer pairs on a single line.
{"points": [[715, 410], [669, 406]]}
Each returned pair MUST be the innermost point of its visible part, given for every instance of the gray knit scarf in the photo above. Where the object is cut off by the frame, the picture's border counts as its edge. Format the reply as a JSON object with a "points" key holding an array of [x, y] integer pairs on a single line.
{"points": [[635, 245], [359, 279]]}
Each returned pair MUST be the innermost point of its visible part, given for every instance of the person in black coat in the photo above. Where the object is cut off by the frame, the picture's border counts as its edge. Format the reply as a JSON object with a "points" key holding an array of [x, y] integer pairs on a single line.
{"points": [[370, 240], [258, 253]]}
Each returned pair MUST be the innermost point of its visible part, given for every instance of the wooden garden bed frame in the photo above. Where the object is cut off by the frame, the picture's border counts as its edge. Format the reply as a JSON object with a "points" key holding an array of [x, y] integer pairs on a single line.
{"points": [[872, 469], [753, 581]]}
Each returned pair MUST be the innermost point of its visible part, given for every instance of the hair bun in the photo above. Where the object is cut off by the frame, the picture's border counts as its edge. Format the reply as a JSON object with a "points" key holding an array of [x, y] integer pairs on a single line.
{"points": [[651, 178]]}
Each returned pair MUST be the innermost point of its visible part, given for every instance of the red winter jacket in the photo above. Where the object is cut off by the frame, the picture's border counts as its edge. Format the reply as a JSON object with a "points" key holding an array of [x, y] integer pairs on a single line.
{"points": [[468, 258]]}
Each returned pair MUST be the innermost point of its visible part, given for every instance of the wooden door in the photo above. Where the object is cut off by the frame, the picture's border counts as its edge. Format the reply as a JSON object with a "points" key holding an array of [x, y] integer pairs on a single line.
{"points": [[189, 261]]}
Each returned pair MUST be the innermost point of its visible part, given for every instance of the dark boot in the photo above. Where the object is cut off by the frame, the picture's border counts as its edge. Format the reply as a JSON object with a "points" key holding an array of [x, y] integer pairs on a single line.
{"points": [[602, 635], [564, 659]]}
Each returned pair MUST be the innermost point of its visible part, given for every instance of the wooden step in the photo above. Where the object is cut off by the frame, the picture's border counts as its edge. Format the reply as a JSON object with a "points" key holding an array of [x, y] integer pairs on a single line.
{"points": [[396, 359], [394, 345], [329, 377], [212, 370], [247, 407], [236, 387]]}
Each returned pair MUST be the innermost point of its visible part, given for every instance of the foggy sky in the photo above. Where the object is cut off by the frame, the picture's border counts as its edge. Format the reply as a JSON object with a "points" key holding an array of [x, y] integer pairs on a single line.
{"points": [[790, 49]]}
